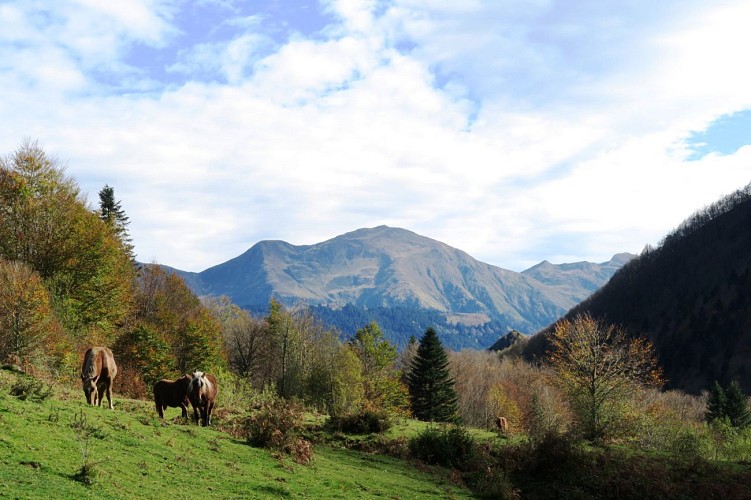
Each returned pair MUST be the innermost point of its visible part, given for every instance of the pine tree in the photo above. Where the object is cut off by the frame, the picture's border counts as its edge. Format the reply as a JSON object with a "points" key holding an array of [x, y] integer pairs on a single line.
{"points": [[728, 403], [736, 406], [112, 213], [431, 387], [716, 402]]}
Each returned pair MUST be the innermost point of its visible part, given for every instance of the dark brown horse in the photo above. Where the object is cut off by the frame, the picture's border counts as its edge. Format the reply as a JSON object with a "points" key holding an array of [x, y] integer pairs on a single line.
{"points": [[172, 394], [97, 373], [202, 393]]}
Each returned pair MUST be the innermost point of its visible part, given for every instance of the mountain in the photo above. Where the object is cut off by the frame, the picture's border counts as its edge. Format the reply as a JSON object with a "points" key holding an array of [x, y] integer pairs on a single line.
{"points": [[691, 296], [511, 338], [387, 267]]}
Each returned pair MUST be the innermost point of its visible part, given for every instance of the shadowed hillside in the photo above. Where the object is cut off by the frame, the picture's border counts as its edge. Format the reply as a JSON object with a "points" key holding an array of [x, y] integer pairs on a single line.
{"points": [[691, 296]]}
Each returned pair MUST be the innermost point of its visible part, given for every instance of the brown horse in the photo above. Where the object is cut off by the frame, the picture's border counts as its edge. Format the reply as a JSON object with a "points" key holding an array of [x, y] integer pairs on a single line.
{"points": [[97, 373], [173, 394], [202, 393], [502, 424]]}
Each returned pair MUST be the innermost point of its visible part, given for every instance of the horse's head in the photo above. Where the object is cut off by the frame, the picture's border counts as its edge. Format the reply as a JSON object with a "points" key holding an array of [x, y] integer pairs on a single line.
{"points": [[90, 389]]}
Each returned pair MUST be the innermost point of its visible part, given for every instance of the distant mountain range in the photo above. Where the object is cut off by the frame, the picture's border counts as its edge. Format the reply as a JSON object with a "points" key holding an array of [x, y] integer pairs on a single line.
{"points": [[391, 268], [691, 296]]}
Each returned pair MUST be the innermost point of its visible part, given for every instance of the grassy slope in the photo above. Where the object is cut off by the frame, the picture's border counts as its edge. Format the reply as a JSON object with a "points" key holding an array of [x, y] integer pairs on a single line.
{"points": [[139, 456]]}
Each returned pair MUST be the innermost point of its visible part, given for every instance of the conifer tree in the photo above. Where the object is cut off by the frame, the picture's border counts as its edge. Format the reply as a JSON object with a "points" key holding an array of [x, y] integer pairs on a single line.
{"points": [[728, 403], [112, 213], [736, 406], [716, 402], [431, 387]]}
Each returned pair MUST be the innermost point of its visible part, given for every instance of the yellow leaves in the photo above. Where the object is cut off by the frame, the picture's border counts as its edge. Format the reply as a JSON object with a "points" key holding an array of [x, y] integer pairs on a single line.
{"points": [[599, 367]]}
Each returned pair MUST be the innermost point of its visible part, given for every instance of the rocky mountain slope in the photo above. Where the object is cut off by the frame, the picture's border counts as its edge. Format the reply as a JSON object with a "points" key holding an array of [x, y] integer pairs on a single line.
{"points": [[391, 267]]}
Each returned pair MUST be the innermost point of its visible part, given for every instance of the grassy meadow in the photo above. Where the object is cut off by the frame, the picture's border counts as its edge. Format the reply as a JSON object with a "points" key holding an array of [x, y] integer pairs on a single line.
{"points": [[133, 454], [55, 446]]}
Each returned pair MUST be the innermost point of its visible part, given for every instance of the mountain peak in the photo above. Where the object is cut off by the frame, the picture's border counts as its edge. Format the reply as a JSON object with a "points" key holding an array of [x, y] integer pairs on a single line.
{"points": [[387, 267]]}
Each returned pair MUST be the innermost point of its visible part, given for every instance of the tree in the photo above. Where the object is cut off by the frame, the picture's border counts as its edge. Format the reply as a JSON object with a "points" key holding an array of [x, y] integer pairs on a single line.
{"points": [[246, 339], [112, 213], [383, 387], [166, 305], [46, 224], [716, 402], [431, 388], [728, 403], [25, 312], [600, 368]]}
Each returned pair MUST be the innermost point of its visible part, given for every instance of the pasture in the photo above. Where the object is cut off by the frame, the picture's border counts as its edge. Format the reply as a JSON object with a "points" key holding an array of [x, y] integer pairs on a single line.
{"points": [[137, 455]]}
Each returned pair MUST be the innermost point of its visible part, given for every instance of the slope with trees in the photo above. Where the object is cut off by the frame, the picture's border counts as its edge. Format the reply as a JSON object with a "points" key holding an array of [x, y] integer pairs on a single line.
{"points": [[691, 296]]}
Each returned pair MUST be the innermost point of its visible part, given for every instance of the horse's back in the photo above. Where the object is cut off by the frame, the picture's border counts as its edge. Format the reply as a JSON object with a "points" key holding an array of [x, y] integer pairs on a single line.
{"points": [[108, 363], [99, 362]]}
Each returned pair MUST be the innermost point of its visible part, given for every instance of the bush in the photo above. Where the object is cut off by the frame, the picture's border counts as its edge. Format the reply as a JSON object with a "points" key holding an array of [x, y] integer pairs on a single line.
{"points": [[450, 446], [26, 387], [277, 426], [367, 421]]}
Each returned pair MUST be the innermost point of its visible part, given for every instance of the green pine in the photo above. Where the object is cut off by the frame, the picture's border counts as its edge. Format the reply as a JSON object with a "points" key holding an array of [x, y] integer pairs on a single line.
{"points": [[431, 387]]}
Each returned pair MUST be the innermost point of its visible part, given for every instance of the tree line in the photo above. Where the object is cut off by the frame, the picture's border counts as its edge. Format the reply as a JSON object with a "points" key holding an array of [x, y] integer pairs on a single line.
{"points": [[68, 280]]}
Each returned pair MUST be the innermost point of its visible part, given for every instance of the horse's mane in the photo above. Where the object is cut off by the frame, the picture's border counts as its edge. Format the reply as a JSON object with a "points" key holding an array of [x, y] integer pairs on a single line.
{"points": [[89, 369]]}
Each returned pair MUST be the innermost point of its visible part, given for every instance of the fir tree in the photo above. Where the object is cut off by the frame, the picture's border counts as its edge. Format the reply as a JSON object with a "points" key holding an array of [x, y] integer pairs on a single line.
{"points": [[112, 213], [431, 387], [716, 402], [729, 403], [736, 406]]}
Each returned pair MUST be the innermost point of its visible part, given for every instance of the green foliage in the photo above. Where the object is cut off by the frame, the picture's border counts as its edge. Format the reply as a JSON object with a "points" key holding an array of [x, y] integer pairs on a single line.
{"points": [[730, 442], [365, 421], [45, 224], [728, 403], [177, 318], [145, 350], [27, 387], [449, 446], [112, 213], [600, 368], [382, 381], [431, 387], [86, 432]]}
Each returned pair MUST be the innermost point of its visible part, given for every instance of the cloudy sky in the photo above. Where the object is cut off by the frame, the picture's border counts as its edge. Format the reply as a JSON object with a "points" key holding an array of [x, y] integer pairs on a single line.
{"points": [[516, 130]]}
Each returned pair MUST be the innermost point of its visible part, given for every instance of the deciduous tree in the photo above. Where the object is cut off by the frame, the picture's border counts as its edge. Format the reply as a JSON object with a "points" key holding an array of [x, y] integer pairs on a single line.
{"points": [[25, 312], [599, 367], [383, 387]]}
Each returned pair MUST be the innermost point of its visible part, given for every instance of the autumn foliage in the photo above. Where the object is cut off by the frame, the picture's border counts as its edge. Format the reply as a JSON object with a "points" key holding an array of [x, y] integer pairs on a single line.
{"points": [[599, 367]]}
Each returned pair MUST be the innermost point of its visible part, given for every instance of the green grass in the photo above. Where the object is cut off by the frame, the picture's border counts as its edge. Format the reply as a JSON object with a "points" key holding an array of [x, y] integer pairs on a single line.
{"points": [[135, 455]]}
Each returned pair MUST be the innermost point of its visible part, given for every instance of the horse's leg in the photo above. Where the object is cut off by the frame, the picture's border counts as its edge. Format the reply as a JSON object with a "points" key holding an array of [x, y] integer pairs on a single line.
{"points": [[159, 409], [109, 394], [184, 408], [208, 412], [195, 414], [203, 415]]}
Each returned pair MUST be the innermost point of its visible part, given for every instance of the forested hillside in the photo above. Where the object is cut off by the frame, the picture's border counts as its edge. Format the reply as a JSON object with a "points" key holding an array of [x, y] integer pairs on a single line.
{"points": [[691, 296]]}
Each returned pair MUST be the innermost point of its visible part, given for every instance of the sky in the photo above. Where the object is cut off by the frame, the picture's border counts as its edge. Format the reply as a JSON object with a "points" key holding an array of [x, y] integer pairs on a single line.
{"points": [[517, 131]]}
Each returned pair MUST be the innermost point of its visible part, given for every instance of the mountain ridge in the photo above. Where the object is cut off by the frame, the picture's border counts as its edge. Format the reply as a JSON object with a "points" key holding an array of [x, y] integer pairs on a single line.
{"points": [[690, 296], [394, 267]]}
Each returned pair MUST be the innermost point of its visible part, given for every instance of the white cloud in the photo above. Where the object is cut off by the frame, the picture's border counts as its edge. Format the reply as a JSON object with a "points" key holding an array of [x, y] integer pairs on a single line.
{"points": [[516, 131]]}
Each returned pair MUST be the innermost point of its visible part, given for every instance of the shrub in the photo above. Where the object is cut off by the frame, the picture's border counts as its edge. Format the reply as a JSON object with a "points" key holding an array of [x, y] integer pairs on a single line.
{"points": [[450, 446], [277, 426], [26, 387], [365, 421]]}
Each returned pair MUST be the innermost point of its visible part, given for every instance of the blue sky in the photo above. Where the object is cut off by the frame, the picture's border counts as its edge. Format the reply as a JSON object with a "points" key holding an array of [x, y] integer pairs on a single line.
{"points": [[514, 130]]}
